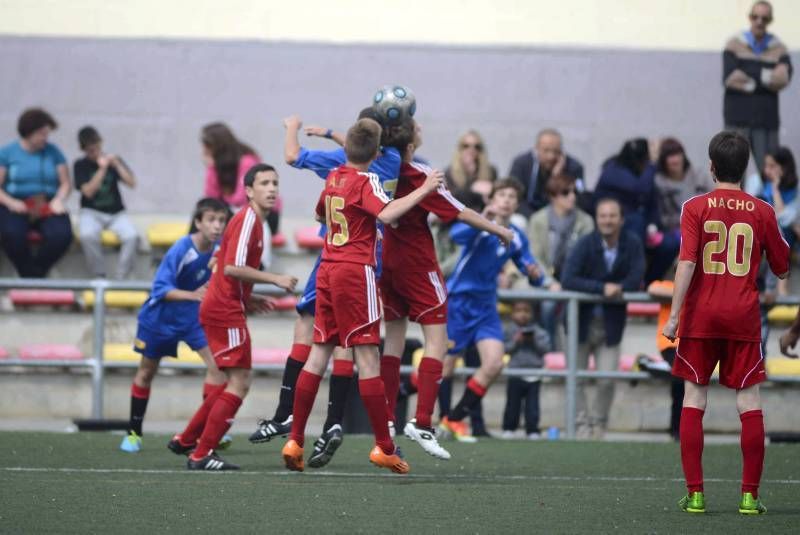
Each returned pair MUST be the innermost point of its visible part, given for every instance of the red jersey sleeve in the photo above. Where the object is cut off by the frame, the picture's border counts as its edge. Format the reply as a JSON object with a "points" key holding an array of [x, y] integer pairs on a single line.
{"points": [[778, 252], [442, 203], [690, 233], [241, 240], [373, 198]]}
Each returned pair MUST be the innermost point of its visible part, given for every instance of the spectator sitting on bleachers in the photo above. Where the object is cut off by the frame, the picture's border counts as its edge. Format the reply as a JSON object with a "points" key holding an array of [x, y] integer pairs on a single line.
{"points": [[552, 231], [97, 177], [34, 186], [532, 169], [628, 177], [676, 182], [780, 189], [607, 262], [470, 175], [227, 160], [526, 343]]}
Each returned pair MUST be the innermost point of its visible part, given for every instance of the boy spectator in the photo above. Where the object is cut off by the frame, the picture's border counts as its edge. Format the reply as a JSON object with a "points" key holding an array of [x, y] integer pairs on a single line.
{"points": [[97, 177], [526, 343]]}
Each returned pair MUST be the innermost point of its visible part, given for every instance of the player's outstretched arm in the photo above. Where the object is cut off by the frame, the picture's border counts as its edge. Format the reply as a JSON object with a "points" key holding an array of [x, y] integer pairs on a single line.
{"points": [[320, 131], [186, 295], [255, 276], [683, 276], [476, 220], [395, 209], [291, 145]]}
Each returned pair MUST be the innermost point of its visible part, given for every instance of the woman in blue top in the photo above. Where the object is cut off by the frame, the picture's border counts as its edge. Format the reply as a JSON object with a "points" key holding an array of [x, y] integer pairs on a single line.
{"points": [[780, 189], [34, 185]]}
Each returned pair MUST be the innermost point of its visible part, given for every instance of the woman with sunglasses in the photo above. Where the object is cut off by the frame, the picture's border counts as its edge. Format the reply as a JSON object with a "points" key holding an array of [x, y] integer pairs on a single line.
{"points": [[470, 175]]}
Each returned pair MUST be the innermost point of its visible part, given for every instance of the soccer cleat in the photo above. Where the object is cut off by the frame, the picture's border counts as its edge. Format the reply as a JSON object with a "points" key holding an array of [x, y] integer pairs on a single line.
{"points": [[211, 462], [293, 456], [325, 446], [393, 462], [269, 429], [225, 442], [177, 448], [750, 505], [132, 443], [693, 502], [425, 437], [458, 429]]}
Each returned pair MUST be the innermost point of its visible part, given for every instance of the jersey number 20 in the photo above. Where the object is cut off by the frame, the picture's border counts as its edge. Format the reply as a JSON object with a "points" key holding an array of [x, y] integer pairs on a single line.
{"points": [[333, 214], [727, 239]]}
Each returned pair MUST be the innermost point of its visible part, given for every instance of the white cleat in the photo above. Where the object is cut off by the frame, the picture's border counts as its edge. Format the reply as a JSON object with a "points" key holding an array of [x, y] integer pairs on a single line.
{"points": [[425, 437]]}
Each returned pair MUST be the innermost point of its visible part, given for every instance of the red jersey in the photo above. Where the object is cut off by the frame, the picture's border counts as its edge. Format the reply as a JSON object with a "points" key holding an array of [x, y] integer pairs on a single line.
{"points": [[725, 233], [242, 245], [350, 204], [408, 244]]}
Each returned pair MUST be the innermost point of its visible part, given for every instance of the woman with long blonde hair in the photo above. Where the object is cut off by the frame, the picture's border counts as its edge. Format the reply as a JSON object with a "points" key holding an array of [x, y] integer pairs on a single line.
{"points": [[470, 175]]}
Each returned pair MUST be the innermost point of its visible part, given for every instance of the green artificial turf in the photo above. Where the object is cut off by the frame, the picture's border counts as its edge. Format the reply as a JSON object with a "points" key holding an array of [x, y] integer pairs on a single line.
{"points": [[81, 483]]}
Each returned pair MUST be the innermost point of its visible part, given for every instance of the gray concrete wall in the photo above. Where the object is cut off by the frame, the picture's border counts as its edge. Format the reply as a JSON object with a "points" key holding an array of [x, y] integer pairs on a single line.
{"points": [[149, 98]]}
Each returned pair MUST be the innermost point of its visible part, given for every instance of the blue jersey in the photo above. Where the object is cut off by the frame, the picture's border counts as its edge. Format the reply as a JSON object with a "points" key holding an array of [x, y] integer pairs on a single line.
{"points": [[183, 268], [386, 166], [482, 259]]}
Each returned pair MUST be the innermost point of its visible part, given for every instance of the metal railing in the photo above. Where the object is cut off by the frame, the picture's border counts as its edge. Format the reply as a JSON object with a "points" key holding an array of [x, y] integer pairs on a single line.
{"points": [[571, 374]]}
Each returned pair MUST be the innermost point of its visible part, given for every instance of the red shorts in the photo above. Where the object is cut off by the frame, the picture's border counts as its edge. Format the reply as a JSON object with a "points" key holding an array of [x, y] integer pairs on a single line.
{"points": [[741, 363], [230, 346], [418, 295], [348, 309]]}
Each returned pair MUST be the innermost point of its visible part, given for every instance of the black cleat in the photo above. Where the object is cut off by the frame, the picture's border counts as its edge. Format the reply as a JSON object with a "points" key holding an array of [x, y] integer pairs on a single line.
{"points": [[326, 446], [269, 429], [177, 448], [211, 463]]}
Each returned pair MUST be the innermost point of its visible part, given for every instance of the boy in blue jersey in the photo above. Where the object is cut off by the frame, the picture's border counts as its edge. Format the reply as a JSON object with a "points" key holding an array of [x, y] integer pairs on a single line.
{"points": [[387, 167], [171, 314], [472, 288]]}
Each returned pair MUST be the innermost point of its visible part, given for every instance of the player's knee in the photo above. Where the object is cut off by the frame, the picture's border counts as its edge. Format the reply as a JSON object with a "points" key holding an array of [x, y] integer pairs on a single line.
{"points": [[748, 399]]}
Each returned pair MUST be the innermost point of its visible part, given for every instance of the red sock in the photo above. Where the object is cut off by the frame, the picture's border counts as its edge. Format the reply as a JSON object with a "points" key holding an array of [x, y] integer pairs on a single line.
{"points": [[209, 388], [219, 421], [374, 397], [752, 442], [300, 352], [139, 392], [390, 375], [305, 392], [692, 447], [196, 425], [430, 375], [476, 387]]}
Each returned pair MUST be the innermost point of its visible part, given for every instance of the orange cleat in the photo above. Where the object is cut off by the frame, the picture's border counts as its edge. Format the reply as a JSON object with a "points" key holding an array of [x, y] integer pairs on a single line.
{"points": [[458, 429], [393, 462], [293, 456]]}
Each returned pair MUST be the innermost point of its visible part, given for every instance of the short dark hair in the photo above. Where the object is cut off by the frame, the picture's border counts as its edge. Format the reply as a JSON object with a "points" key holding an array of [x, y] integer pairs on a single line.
{"points": [[208, 204], [506, 183], [32, 120], [729, 153], [399, 136], [363, 141], [88, 135], [609, 200], [670, 147], [558, 183], [250, 176]]}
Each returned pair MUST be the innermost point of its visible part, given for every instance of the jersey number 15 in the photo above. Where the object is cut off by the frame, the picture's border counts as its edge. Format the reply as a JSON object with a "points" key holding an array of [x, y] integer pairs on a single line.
{"points": [[333, 214], [727, 239]]}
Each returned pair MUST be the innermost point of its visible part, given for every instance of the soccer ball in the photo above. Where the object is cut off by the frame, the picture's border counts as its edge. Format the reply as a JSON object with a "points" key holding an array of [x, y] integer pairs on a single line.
{"points": [[394, 103]]}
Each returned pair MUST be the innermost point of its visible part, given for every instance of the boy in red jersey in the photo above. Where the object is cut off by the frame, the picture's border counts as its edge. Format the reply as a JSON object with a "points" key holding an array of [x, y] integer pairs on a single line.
{"points": [[725, 231], [222, 315], [348, 305], [412, 287]]}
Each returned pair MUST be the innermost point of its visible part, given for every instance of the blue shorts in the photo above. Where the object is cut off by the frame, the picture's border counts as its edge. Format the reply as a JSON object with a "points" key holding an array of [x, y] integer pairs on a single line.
{"points": [[154, 345], [308, 301], [470, 320]]}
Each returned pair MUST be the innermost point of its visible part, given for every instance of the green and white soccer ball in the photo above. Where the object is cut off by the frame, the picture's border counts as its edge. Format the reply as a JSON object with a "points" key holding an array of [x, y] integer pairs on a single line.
{"points": [[394, 103]]}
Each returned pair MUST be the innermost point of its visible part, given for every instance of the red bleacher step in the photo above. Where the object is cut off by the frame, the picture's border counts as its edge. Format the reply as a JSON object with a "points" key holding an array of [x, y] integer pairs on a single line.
{"points": [[29, 297], [273, 355], [50, 352], [308, 238], [643, 310], [288, 302], [278, 240], [558, 361]]}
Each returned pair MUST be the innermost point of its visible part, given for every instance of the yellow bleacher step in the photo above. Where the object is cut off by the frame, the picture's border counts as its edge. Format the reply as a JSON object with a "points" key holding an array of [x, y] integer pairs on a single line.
{"points": [[783, 366], [165, 234], [107, 237], [125, 353], [782, 314], [118, 298]]}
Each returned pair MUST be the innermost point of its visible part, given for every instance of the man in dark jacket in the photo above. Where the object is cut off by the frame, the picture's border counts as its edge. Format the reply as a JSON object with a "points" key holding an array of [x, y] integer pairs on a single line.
{"points": [[534, 167], [606, 262], [756, 66]]}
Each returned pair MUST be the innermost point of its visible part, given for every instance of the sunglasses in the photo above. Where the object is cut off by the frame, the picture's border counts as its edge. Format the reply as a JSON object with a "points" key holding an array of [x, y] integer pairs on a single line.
{"points": [[762, 18], [567, 192], [477, 146]]}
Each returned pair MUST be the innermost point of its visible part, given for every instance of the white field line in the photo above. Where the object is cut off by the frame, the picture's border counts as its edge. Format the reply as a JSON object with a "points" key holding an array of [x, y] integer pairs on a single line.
{"points": [[383, 474]]}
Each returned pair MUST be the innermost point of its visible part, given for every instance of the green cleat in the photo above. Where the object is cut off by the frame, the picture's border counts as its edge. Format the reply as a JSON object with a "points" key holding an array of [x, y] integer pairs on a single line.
{"points": [[750, 505], [132, 443], [693, 503]]}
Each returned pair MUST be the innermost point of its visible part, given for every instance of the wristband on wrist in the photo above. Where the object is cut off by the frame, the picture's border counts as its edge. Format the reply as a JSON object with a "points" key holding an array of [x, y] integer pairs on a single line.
{"points": [[329, 133]]}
